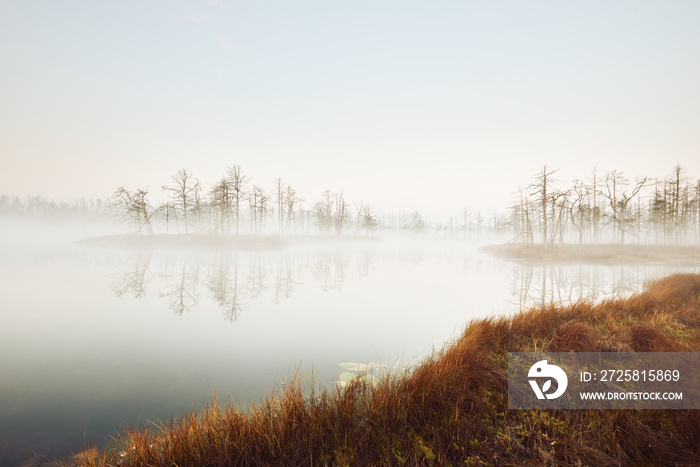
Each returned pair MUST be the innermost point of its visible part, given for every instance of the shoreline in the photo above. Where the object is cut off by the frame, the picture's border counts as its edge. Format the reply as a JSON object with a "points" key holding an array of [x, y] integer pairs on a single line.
{"points": [[607, 253], [453, 407]]}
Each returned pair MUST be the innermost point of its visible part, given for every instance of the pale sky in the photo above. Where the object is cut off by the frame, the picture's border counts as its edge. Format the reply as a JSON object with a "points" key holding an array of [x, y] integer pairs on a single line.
{"points": [[425, 105]]}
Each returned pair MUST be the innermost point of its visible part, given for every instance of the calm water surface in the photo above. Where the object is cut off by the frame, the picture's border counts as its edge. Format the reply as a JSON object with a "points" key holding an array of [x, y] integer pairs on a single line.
{"points": [[92, 339]]}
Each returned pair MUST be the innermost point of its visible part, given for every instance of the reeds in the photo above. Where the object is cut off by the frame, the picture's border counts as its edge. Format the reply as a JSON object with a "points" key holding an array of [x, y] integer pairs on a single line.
{"points": [[452, 409]]}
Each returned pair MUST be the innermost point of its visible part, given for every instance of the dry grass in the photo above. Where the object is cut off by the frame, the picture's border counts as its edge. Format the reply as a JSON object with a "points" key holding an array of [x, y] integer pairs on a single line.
{"points": [[453, 408]]}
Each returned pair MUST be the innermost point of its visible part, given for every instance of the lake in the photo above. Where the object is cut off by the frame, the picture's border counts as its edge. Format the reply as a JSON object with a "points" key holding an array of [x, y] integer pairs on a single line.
{"points": [[93, 339]]}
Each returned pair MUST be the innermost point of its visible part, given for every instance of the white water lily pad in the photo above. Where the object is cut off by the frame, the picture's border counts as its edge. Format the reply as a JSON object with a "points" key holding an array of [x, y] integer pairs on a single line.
{"points": [[347, 376], [362, 367], [359, 372], [369, 379], [371, 366]]}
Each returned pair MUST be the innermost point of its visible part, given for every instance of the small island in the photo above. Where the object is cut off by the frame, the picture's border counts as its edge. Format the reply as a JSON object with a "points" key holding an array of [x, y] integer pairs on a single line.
{"points": [[609, 253]]}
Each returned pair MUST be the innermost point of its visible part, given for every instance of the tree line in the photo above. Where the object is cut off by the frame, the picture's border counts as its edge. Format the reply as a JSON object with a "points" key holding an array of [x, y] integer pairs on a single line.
{"points": [[39, 206], [227, 209], [608, 208], [235, 205], [600, 208]]}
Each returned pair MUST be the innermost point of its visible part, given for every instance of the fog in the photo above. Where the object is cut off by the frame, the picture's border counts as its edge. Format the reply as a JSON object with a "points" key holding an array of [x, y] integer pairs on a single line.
{"points": [[95, 337], [200, 198]]}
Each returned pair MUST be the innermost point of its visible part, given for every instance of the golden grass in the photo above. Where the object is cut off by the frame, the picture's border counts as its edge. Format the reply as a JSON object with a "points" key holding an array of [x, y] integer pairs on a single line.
{"points": [[453, 408]]}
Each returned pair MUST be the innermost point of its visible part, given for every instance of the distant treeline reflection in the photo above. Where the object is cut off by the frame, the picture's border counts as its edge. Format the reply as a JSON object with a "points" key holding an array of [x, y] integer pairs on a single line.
{"points": [[234, 279], [544, 284]]}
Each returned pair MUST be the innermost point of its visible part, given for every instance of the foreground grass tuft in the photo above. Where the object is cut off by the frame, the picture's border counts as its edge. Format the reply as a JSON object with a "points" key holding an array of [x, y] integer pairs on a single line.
{"points": [[453, 408]]}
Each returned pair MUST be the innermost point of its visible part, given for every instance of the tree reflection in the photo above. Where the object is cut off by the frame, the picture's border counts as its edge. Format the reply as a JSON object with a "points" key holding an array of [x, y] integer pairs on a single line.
{"points": [[284, 278], [234, 279], [329, 270], [222, 282], [364, 261], [135, 279], [181, 285], [257, 275], [544, 284]]}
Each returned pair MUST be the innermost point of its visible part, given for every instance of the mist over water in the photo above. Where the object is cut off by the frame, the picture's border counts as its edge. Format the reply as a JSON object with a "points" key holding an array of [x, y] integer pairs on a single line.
{"points": [[210, 130], [93, 339]]}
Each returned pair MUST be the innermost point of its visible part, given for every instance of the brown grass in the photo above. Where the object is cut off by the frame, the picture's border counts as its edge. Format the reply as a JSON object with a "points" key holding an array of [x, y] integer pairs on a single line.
{"points": [[575, 336], [453, 408]]}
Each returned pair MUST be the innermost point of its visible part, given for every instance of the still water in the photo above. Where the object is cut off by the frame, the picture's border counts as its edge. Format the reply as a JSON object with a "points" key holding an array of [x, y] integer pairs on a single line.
{"points": [[94, 339]]}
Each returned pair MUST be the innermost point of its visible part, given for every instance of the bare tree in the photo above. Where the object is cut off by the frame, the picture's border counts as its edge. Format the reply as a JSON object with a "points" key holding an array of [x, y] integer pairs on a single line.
{"points": [[559, 202], [596, 210], [578, 208], [237, 183], [358, 221], [615, 184], [257, 201], [341, 212], [658, 212], [279, 195], [185, 195], [168, 210], [323, 212], [368, 219], [671, 212], [291, 200], [677, 205], [132, 205], [220, 204], [414, 222], [541, 188]]}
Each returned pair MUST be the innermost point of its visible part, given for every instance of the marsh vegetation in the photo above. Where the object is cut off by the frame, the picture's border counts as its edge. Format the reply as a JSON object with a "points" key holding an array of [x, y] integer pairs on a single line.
{"points": [[452, 407]]}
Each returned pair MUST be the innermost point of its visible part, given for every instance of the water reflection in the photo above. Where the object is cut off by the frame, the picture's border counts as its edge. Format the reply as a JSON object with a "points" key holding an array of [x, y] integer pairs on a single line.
{"points": [[222, 283], [159, 347], [538, 284], [134, 280], [233, 279], [181, 284]]}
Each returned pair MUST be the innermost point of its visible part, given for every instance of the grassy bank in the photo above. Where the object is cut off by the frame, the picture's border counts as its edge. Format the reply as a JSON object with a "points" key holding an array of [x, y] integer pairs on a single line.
{"points": [[452, 409], [597, 253]]}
